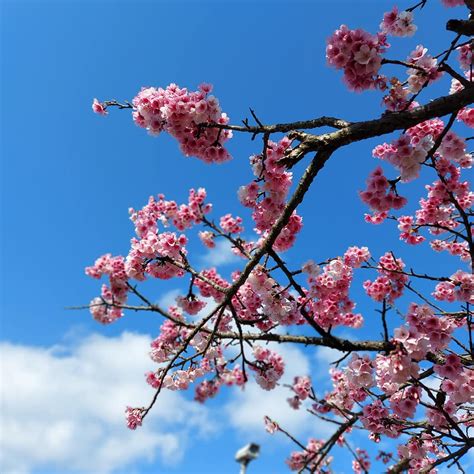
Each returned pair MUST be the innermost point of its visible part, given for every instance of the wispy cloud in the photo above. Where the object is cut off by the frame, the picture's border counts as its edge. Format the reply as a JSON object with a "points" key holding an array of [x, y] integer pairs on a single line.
{"points": [[221, 254], [62, 408]]}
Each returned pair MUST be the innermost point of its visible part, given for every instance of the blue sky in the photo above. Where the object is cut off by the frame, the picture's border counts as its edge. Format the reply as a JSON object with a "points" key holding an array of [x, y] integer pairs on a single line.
{"points": [[69, 176]]}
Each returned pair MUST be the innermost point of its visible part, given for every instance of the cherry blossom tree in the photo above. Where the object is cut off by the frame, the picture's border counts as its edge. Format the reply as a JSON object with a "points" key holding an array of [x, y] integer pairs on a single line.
{"points": [[414, 385]]}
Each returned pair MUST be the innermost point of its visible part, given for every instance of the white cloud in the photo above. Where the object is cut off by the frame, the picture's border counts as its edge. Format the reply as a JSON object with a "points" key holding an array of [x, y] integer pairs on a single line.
{"points": [[62, 408], [221, 254], [248, 407], [169, 298], [327, 355]]}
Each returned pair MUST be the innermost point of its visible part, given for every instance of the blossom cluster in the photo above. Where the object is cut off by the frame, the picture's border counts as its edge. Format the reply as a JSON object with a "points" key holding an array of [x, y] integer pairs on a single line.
{"points": [[397, 23], [459, 287], [404, 156], [453, 3], [309, 458], [182, 114], [391, 280], [330, 304], [380, 195], [263, 300], [269, 367], [273, 193], [302, 389], [359, 54], [106, 308], [426, 69], [188, 116]]}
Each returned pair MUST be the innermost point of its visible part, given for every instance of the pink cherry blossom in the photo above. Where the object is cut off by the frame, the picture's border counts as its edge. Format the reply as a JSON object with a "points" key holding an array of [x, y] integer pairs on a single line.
{"points": [[270, 426], [207, 238], [362, 463], [416, 77], [379, 196], [190, 305], [182, 114], [134, 417], [359, 54], [397, 23], [99, 108], [269, 367], [453, 3]]}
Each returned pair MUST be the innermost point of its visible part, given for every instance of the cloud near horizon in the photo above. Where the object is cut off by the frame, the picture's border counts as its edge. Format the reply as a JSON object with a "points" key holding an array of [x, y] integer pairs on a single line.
{"points": [[63, 408]]}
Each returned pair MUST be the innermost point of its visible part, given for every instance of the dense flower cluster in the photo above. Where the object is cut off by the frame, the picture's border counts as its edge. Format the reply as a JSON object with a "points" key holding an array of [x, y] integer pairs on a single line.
{"points": [[268, 368], [231, 225], [380, 195], [460, 287], [345, 393], [274, 190], [212, 284], [390, 282], [426, 69], [460, 249], [404, 156], [191, 304], [309, 458], [106, 309], [359, 54], [425, 332], [330, 304], [408, 232], [417, 451], [359, 372], [376, 418], [262, 297], [134, 417], [182, 113], [397, 23]]}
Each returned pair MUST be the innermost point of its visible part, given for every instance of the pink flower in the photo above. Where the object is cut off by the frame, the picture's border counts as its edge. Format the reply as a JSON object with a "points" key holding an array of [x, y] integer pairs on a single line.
{"points": [[460, 287], [270, 425], [311, 268], [207, 238], [360, 372], [231, 225], [362, 463], [358, 53], [453, 3], [356, 256], [416, 77], [269, 367], [397, 23], [99, 108], [302, 387], [378, 195], [182, 113], [134, 417], [405, 401], [451, 368], [206, 389], [191, 305]]}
